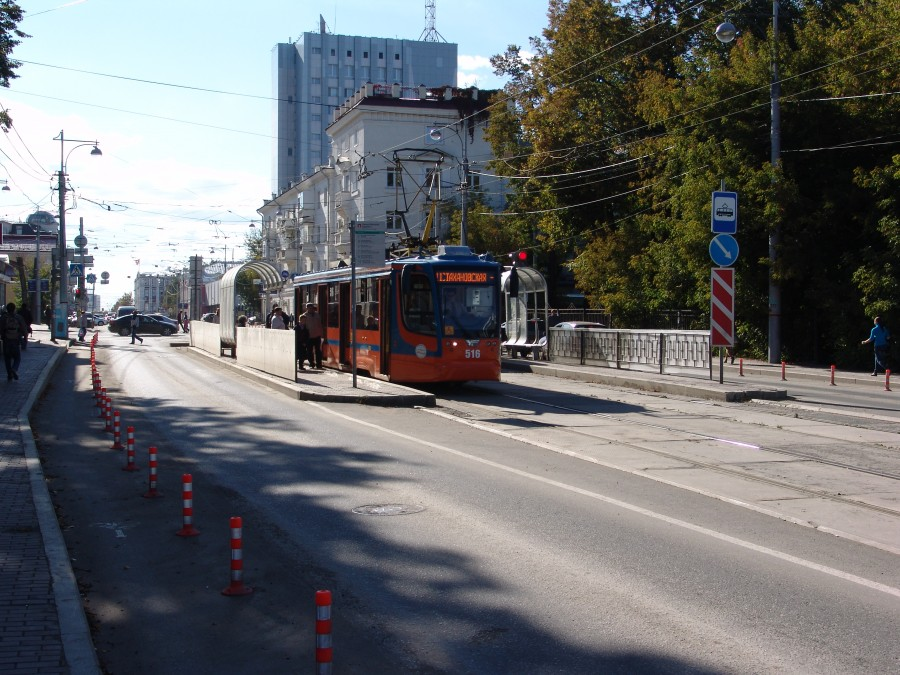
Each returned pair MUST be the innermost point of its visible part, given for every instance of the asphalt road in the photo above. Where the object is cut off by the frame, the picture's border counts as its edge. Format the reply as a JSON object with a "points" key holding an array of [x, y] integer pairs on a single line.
{"points": [[490, 535]]}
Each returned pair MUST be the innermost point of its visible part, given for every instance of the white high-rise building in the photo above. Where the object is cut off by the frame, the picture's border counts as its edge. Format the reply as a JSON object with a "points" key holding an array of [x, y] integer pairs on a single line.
{"points": [[313, 76]]}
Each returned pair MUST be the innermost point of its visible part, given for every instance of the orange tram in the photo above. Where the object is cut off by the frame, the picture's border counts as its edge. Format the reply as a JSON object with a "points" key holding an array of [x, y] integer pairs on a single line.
{"points": [[431, 318]]}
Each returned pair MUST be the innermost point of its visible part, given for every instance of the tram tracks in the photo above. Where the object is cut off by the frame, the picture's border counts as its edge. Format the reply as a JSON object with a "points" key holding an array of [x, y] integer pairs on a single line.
{"points": [[495, 412]]}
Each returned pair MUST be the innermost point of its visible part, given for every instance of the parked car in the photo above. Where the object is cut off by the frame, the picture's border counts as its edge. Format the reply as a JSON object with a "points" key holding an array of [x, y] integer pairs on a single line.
{"points": [[99, 320], [569, 325], [148, 324]]}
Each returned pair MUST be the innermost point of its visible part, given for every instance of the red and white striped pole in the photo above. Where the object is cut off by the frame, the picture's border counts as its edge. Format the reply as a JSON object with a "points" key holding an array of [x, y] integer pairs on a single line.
{"points": [[741, 367], [129, 453], [117, 432], [151, 491], [783, 375], [109, 426], [101, 401], [887, 379], [324, 651], [187, 508], [832, 375], [237, 587]]}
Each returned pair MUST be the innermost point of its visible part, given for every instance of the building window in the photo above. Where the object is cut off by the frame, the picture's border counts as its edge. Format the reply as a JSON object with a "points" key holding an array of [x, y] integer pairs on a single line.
{"points": [[349, 54], [348, 92], [365, 55], [332, 91], [380, 55], [348, 71], [364, 72], [316, 117], [333, 53], [332, 70], [316, 50], [316, 80], [317, 99], [381, 74], [398, 74], [393, 220], [396, 57], [394, 178], [474, 181], [290, 152]]}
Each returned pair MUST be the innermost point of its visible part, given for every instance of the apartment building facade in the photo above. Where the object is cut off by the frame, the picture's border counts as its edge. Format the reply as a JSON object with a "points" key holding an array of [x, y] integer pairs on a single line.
{"points": [[314, 75], [397, 158]]}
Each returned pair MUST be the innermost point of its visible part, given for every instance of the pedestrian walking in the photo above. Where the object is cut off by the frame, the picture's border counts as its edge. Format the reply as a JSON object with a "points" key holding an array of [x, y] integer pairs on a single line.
{"points": [[135, 324], [12, 329], [25, 314], [313, 324], [880, 338], [82, 326]]}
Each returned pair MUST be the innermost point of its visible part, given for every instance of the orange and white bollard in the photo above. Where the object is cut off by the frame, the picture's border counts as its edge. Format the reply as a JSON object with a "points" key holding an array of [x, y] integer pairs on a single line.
{"points": [[741, 367], [187, 507], [109, 426], [887, 379], [152, 491], [129, 453], [237, 587], [324, 651], [783, 371], [101, 401], [117, 432], [832, 375]]}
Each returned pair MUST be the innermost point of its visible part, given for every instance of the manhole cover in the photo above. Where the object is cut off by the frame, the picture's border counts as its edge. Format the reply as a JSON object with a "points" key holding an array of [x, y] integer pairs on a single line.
{"points": [[387, 509]]}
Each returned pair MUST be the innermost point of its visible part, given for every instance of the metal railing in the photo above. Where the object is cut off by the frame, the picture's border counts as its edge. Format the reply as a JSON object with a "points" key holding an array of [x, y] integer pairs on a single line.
{"points": [[625, 348]]}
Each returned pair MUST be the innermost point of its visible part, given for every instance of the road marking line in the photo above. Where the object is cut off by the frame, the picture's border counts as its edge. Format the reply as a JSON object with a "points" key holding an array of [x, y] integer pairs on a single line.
{"points": [[764, 550]]}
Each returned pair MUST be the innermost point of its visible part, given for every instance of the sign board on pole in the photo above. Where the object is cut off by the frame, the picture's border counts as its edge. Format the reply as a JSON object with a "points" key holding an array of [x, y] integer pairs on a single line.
{"points": [[76, 270], [368, 244], [721, 307], [724, 212]]}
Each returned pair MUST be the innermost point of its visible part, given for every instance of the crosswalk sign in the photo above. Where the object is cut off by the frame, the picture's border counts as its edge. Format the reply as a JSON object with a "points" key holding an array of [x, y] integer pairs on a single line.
{"points": [[76, 270]]}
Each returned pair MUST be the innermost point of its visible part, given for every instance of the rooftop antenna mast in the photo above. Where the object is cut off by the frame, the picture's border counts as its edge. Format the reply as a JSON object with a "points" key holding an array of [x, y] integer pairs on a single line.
{"points": [[430, 34]]}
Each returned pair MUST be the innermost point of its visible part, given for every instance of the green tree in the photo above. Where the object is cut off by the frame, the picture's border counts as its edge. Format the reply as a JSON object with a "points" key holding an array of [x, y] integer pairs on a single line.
{"points": [[10, 37], [630, 115]]}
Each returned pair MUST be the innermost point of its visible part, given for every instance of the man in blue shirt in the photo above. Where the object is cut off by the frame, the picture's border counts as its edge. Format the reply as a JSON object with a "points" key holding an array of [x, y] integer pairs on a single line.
{"points": [[879, 338]]}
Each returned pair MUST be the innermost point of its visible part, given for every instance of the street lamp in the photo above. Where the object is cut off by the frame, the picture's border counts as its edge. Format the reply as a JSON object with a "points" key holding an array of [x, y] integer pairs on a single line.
{"points": [[725, 32], [437, 134], [63, 267]]}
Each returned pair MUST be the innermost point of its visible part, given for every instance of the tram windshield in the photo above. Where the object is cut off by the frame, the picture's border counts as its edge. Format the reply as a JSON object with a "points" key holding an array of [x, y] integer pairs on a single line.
{"points": [[469, 310]]}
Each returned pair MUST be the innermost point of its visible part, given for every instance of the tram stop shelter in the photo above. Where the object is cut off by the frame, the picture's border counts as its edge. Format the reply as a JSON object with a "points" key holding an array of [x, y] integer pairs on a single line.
{"points": [[271, 278], [525, 303]]}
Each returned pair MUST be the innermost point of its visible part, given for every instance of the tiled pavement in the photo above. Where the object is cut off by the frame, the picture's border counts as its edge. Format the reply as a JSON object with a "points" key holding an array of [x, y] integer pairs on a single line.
{"points": [[43, 629]]}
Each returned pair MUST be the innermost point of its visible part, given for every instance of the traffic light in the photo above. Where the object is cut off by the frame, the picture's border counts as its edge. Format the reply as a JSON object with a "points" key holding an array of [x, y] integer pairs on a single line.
{"points": [[519, 257], [78, 293]]}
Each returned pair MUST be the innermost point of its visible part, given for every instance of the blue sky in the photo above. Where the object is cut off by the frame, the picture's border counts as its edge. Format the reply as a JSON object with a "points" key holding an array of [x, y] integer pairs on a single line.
{"points": [[176, 158]]}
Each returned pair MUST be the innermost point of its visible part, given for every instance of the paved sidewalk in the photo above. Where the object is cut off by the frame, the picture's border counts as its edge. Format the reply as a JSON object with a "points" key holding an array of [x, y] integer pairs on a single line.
{"points": [[43, 628]]}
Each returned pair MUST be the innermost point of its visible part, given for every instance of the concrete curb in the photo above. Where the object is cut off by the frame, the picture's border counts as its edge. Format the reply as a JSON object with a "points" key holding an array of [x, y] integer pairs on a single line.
{"points": [[368, 391], [75, 632], [664, 384]]}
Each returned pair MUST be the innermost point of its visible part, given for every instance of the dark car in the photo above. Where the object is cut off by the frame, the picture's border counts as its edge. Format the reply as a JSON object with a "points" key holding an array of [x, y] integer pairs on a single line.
{"points": [[147, 324]]}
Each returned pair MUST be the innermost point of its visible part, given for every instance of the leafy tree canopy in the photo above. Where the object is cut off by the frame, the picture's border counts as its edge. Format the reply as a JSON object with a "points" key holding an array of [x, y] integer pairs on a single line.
{"points": [[629, 115]]}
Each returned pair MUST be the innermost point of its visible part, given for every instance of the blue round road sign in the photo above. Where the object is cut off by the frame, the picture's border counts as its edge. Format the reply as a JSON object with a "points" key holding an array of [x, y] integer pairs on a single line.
{"points": [[723, 249]]}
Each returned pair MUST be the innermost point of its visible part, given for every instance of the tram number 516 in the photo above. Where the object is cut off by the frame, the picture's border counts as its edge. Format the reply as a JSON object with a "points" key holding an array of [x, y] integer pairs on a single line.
{"points": [[473, 353]]}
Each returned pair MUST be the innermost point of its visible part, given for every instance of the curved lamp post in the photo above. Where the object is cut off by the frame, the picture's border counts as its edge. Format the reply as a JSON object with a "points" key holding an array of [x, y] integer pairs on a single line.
{"points": [[63, 266], [725, 33], [437, 134]]}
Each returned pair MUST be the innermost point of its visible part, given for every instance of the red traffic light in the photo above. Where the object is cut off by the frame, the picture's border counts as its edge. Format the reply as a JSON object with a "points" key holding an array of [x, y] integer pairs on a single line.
{"points": [[519, 257]]}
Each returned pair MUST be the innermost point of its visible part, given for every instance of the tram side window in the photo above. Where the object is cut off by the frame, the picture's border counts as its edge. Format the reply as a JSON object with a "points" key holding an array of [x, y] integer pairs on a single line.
{"points": [[418, 306]]}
